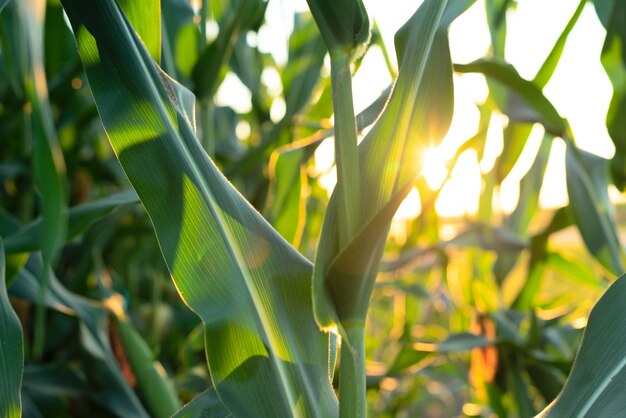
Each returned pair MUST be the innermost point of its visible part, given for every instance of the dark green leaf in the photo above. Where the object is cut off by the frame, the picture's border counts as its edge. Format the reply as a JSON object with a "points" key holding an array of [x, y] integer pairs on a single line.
{"points": [[587, 186], [595, 384]]}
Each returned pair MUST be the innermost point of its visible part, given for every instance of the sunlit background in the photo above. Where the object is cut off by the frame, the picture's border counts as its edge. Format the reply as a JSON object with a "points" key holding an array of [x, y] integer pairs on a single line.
{"points": [[579, 89]]}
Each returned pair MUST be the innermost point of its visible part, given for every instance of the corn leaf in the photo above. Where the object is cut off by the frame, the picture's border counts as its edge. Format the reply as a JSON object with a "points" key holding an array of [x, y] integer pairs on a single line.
{"points": [[417, 115], [109, 388], [240, 16], [205, 405], [612, 14], [587, 187], [549, 66], [11, 352], [528, 104], [344, 25], [79, 218], [156, 387], [250, 288], [597, 379]]}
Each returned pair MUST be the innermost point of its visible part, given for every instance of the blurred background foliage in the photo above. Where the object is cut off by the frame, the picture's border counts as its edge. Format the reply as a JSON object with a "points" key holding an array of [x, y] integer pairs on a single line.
{"points": [[473, 316]]}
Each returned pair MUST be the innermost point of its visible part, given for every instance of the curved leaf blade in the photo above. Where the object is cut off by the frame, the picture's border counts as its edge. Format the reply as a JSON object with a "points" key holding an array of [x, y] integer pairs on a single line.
{"points": [[251, 289], [587, 187], [595, 385]]}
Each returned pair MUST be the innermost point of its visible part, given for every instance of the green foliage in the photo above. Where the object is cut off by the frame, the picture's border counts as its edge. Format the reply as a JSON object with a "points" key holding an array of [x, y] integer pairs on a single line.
{"points": [[161, 238]]}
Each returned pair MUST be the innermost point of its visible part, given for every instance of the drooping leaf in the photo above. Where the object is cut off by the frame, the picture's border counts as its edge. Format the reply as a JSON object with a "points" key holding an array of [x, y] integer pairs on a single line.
{"points": [[587, 187], [250, 288], [532, 105], [110, 390], [595, 384], [79, 218], [11, 352]]}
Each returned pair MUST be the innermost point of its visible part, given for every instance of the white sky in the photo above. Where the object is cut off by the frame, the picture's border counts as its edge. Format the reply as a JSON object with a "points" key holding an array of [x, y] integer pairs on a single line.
{"points": [[579, 89]]}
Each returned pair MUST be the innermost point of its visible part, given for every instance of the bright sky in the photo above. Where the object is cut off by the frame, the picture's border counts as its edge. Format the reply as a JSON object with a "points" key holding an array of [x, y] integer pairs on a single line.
{"points": [[579, 89]]}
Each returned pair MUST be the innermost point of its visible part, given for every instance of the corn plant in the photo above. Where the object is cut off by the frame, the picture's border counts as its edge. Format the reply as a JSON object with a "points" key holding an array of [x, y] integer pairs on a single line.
{"points": [[272, 324]]}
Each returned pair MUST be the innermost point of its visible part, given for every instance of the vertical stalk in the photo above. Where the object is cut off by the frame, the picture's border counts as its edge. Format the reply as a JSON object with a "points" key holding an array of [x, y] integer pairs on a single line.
{"points": [[346, 155], [352, 389]]}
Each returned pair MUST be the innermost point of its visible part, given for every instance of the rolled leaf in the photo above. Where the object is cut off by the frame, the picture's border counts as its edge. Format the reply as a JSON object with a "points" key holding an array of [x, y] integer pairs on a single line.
{"points": [[344, 24]]}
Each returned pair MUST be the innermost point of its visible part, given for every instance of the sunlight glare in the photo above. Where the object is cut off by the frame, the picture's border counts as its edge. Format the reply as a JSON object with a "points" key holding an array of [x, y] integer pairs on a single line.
{"points": [[434, 168]]}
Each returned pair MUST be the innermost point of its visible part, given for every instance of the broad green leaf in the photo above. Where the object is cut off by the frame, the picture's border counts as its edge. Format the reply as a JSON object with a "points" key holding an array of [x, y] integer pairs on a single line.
{"points": [[344, 25], [587, 187], [613, 16], [595, 384], [418, 113], [533, 105], [250, 288], [205, 405], [145, 17], [111, 390], [79, 218], [11, 352]]}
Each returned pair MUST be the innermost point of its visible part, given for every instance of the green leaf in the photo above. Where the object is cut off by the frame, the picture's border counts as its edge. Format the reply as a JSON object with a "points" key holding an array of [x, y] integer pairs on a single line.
{"points": [[180, 38], [598, 376], [238, 18], [419, 109], [11, 352], [587, 187], [344, 25], [158, 391], [110, 389], [48, 163], [613, 16], [145, 17], [205, 405], [533, 106], [2, 4], [27, 238], [306, 57], [520, 219], [549, 65], [251, 289]]}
